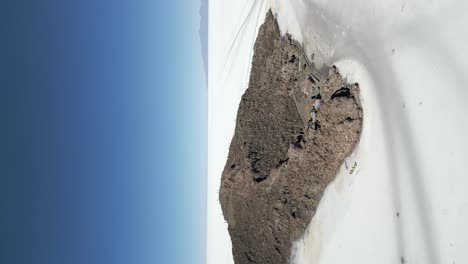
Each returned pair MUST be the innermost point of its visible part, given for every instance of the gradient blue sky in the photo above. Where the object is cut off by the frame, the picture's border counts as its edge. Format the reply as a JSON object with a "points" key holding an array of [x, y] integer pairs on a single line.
{"points": [[103, 134]]}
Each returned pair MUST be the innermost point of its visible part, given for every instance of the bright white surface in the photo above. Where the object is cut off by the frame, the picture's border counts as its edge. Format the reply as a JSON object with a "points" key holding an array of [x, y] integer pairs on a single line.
{"points": [[411, 60]]}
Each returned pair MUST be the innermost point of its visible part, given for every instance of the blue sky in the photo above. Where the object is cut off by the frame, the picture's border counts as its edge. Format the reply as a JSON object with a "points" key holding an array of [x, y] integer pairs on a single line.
{"points": [[104, 132]]}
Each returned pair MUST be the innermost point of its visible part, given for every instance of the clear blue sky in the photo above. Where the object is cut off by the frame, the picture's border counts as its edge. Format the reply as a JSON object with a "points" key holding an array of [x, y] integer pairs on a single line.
{"points": [[103, 132]]}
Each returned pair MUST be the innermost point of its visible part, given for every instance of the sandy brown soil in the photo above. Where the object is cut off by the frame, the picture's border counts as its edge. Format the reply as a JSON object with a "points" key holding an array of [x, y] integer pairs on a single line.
{"points": [[292, 134]]}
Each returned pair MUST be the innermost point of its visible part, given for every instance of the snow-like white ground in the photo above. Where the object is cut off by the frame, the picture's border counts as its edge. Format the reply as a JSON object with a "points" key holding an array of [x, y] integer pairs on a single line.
{"points": [[407, 200]]}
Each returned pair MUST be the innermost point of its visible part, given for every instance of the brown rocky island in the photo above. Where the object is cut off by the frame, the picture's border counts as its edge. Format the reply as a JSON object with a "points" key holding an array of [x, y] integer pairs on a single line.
{"points": [[295, 126]]}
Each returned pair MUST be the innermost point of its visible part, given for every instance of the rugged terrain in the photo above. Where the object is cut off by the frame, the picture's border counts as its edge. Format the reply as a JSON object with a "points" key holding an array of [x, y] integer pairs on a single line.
{"points": [[295, 125]]}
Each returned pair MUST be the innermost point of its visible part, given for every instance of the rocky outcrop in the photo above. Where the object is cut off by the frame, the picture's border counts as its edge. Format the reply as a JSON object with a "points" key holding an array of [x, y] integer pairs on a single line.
{"points": [[294, 128]]}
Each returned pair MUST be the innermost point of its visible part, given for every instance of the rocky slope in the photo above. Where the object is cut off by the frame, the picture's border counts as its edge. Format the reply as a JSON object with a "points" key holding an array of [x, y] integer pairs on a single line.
{"points": [[294, 128]]}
